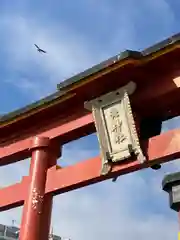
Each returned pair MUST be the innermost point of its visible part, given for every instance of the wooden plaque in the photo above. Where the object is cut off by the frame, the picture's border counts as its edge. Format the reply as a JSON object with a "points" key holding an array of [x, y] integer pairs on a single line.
{"points": [[115, 126]]}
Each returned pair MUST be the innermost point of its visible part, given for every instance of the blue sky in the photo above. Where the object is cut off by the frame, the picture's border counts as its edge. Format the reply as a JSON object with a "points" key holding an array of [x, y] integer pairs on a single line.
{"points": [[78, 34]]}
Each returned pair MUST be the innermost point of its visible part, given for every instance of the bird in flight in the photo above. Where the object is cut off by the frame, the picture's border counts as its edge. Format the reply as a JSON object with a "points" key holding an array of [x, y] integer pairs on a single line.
{"points": [[39, 49]]}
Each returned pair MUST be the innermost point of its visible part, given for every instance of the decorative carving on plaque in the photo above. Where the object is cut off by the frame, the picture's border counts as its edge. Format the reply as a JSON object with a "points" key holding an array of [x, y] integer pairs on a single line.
{"points": [[116, 130]]}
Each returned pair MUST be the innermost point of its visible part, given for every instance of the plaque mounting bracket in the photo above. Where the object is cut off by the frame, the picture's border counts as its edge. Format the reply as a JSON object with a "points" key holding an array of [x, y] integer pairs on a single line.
{"points": [[115, 126]]}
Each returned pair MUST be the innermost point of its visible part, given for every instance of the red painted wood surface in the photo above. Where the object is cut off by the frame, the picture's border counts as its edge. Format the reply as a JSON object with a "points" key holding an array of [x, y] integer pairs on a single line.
{"points": [[34, 201], [162, 148], [54, 152], [19, 150], [14, 195]]}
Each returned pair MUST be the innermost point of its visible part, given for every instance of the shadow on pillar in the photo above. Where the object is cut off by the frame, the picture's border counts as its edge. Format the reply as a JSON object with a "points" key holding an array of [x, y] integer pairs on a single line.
{"points": [[55, 153], [150, 127]]}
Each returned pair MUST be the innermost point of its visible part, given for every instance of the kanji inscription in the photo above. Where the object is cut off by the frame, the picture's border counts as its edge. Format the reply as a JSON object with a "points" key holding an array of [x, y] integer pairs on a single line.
{"points": [[116, 129]]}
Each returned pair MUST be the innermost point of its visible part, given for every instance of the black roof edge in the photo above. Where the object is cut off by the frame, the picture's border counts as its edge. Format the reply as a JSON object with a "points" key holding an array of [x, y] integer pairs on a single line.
{"points": [[163, 44], [99, 67], [119, 57], [61, 87], [33, 105], [69, 81]]}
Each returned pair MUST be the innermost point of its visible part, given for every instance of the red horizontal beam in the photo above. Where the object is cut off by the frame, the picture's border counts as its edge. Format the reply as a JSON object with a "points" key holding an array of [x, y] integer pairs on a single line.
{"points": [[20, 149], [14, 195], [170, 81], [162, 148]]}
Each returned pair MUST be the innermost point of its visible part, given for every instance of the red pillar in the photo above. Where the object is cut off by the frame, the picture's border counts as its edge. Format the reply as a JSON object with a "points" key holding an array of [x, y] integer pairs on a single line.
{"points": [[54, 154], [33, 206]]}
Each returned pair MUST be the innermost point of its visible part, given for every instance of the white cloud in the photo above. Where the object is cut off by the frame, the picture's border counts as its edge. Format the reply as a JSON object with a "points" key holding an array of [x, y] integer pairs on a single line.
{"points": [[67, 54], [70, 52]]}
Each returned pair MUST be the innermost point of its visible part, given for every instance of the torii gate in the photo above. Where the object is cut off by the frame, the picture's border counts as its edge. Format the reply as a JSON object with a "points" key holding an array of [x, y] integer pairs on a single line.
{"points": [[127, 97]]}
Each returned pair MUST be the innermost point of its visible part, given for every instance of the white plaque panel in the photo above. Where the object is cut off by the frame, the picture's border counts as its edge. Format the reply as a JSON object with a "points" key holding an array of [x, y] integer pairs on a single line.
{"points": [[115, 126]]}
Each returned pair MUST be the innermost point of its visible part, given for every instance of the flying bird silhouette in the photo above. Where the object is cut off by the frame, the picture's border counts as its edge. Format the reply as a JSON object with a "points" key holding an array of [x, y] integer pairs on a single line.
{"points": [[39, 49]]}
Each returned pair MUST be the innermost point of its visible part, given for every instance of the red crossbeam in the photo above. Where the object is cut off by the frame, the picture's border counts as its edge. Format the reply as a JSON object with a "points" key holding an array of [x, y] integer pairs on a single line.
{"points": [[14, 195], [20, 149], [162, 148]]}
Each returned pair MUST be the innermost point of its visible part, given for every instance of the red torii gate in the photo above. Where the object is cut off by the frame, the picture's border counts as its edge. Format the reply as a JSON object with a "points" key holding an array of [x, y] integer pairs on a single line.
{"points": [[41, 129]]}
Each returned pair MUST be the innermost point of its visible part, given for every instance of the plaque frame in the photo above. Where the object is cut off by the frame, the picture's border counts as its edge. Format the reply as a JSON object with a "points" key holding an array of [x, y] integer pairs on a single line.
{"points": [[115, 126]]}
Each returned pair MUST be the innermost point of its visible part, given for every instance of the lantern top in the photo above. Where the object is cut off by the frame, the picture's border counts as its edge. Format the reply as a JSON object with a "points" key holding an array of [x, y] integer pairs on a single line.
{"points": [[170, 180]]}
